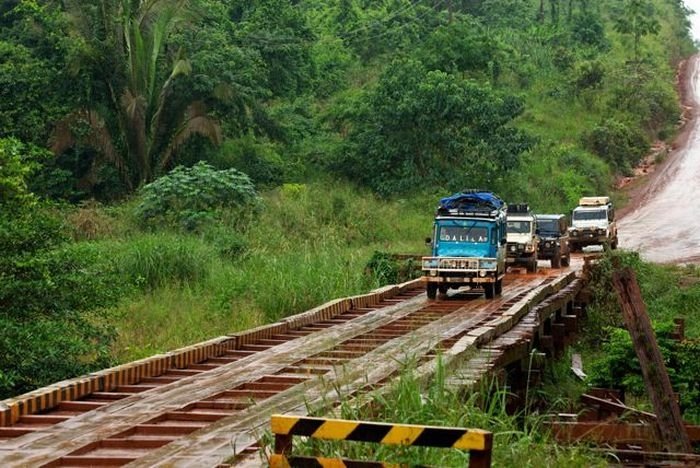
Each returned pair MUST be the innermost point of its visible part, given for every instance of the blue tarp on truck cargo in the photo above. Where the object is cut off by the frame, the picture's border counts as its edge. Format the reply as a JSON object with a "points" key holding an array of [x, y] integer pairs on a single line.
{"points": [[471, 201]]}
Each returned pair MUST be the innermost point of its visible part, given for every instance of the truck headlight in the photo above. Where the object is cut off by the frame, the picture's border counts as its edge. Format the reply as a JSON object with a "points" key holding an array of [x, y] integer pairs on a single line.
{"points": [[488, 264], [574, 233], [547, 244], [512, 248], [601, 232]]}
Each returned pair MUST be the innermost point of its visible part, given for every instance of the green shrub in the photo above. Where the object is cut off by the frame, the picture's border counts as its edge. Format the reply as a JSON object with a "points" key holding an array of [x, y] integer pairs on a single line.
{"points": [[154, 260], [384, 268], [17, 163], [618, 143], [619, 367], [49, 292], [229, 243], [259, 160], [332, 60], [192, 197], [557, 176], [650, 99], [589, 74], [39, 351], [588, 30]]}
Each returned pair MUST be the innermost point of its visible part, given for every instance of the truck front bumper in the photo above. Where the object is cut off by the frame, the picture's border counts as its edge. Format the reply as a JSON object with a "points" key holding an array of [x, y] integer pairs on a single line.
{"points": [[548, 252], [457, 270], [461, 280], [584, 238]]}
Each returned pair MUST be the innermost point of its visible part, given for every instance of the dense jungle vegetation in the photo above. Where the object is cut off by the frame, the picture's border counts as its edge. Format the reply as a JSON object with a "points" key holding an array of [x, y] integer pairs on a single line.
{"points": [[174, 170]]}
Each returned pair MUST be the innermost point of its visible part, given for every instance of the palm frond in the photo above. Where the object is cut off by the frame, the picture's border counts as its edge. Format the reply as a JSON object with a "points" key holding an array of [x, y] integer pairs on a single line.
{"points": [[196, 122], [94, 133], [182, 66], [134, 109]]}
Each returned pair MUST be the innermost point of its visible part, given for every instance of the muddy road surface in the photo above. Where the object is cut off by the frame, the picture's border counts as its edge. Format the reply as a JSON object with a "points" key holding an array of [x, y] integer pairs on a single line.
{"points": [[663, 219]]}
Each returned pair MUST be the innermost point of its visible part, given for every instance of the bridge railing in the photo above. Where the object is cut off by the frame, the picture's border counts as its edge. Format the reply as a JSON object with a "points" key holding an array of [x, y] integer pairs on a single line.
{"points": [[478, 442]]}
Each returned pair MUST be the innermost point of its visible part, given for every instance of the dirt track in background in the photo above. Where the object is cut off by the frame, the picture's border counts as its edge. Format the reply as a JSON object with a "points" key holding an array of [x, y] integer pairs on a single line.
{"points": [[662, 220]]}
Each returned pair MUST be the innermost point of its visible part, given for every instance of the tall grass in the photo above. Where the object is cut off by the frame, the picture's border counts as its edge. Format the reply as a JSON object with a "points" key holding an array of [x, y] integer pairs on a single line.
{"points": [[519, 440], [309, 245], [158, 259]]}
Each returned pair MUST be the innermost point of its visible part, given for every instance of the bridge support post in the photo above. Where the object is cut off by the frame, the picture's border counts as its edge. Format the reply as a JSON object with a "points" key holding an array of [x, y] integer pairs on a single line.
{"points": [[658, 384]]}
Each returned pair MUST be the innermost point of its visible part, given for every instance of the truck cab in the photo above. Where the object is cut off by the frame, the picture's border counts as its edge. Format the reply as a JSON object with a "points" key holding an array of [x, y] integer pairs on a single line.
{"points": [[593, 223], [522, 239], [553, 230], [467, 245]]}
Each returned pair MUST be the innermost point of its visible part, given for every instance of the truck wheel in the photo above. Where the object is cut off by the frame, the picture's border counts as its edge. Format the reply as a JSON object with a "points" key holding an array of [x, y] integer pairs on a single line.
{"points": [[499, 287], [532, 266], [489, 290], [431, 290], [613, 245], [556, 261]]}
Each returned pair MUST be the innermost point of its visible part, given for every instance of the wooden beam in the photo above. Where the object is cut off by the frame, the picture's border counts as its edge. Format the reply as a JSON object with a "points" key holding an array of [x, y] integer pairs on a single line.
{"points": [[673, 435]]}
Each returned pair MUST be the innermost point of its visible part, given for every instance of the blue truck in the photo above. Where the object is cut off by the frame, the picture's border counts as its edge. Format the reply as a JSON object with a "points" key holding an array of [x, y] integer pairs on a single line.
{"points": [[468, 246]]}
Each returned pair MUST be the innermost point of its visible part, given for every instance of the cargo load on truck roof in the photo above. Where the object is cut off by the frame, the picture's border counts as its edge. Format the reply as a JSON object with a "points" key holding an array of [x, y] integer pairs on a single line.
{"points": [[471, 203], [593, 201], [518, 208]]}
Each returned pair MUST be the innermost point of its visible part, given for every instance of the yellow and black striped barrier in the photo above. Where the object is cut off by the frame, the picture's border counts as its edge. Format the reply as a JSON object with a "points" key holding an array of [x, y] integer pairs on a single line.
{"points": [[477, 441]]}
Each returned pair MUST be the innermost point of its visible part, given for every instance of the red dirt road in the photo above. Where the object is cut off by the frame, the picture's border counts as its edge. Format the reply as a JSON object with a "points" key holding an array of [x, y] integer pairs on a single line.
{"points": [[662, 221]]}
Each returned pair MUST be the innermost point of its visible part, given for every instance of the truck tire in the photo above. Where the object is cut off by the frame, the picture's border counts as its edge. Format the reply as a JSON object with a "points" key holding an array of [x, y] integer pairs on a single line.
{"points": [[556, 261], [499, 287], [431, 290], [532, 266], [613, 244], [489, 290]]}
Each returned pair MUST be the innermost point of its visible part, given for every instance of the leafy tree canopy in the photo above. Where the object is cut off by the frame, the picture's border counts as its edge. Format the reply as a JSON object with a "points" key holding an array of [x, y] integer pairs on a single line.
{"points": [[420, 127]]}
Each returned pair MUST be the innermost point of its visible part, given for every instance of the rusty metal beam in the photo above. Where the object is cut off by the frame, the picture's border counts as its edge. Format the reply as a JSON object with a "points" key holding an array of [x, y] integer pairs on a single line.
{"points": [[612, 433], [643, 458]]}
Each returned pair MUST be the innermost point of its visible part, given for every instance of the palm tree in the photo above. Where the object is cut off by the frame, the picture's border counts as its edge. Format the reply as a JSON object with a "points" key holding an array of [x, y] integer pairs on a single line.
{"points": [[141, 123]]}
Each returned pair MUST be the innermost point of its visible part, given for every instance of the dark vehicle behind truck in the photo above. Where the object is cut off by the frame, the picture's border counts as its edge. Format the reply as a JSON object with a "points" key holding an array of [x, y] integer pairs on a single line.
{"points": [[553, 231]]}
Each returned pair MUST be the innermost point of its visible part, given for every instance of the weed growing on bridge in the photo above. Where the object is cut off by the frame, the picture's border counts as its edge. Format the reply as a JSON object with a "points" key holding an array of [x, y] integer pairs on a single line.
{"points": [[519, 439]]}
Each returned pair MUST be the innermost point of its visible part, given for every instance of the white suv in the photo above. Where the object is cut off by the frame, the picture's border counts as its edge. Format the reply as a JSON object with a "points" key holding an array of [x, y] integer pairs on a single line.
{"points": [[593, 223]]}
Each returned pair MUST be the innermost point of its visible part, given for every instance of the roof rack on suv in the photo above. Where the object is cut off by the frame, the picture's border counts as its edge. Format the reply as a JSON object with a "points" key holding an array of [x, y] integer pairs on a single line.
{"points": [[594, 201]]}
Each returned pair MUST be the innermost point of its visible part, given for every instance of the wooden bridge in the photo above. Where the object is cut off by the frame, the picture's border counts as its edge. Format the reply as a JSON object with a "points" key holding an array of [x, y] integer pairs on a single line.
{"points": [[209, 404]]}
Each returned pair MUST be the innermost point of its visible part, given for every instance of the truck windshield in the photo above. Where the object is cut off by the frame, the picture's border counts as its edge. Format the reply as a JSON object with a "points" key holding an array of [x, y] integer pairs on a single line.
{"points": [[589, 215], [518, 227], [456, 233], [548, 226]]}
